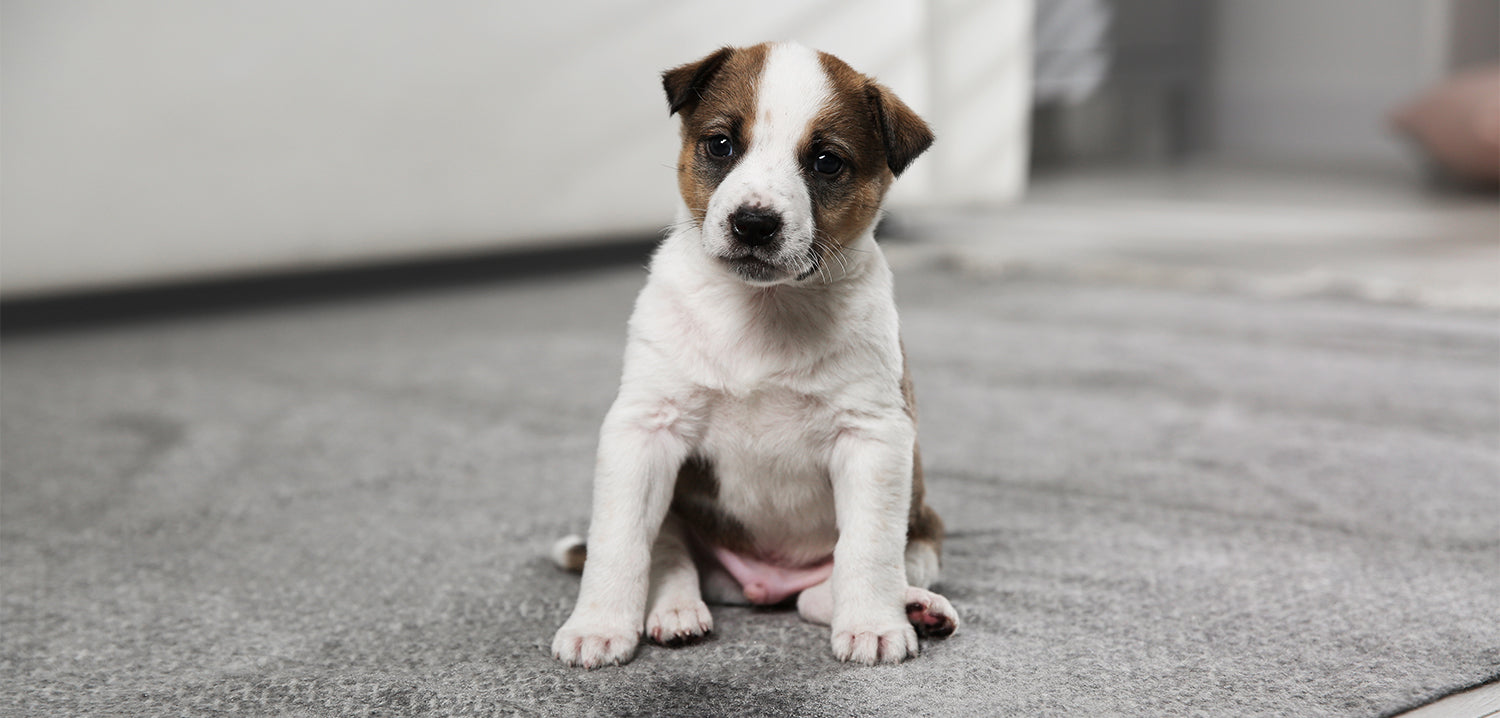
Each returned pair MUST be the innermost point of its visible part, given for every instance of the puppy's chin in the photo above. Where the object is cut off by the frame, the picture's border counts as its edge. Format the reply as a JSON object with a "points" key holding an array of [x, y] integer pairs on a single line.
{"points": [[754, 271], [758, 272]]}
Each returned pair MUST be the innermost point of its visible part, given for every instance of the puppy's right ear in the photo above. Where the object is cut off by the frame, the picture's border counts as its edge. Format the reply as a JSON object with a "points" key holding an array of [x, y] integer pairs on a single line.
{"points": [[904, 134], [685, 84]]}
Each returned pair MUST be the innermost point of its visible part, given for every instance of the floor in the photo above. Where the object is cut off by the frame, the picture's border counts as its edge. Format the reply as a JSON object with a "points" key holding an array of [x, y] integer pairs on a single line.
{"points": [[1277, 234], [1213, 442]]}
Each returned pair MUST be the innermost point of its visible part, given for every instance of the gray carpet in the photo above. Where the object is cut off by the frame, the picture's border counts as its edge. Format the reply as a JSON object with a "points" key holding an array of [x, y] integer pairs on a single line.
{"points": [[1160, 503]]}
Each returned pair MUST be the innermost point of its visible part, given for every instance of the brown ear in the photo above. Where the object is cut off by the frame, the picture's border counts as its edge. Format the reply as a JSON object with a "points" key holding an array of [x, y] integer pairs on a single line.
{"points": [[904, 134], [684, 84]]}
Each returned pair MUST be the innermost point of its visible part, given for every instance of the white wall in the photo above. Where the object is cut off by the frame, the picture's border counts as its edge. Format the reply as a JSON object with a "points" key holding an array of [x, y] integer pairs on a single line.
{"points": [[979, 100], [152, 140], [1313, 81]]}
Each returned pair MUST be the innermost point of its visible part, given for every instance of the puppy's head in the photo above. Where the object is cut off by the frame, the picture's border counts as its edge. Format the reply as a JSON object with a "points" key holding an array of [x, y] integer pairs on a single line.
{"points": [[786, 155]]}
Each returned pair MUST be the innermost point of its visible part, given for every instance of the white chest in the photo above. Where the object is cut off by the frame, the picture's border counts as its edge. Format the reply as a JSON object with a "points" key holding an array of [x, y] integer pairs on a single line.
{"points": [[769, 451]]}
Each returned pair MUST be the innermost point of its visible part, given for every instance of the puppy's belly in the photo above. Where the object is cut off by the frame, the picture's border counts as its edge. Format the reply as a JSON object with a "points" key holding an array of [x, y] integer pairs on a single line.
{"points": [[785, 518], [768, 583]]}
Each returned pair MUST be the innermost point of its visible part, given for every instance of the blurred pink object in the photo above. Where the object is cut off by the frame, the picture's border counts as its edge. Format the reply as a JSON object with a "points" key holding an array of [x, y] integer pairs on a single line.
{"points": [[1458, 123]]}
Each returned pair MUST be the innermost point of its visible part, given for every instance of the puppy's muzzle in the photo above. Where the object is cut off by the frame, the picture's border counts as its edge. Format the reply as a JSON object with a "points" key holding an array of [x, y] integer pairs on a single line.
{"points": [[754, 227]]}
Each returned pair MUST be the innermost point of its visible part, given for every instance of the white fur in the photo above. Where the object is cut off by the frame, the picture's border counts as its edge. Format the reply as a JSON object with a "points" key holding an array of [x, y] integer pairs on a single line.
{"points": [[791, 391]]}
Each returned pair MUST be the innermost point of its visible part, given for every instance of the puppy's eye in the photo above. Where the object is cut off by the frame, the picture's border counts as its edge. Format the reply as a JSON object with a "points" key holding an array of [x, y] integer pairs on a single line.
{"points": [[719, 146], [827, 163]]}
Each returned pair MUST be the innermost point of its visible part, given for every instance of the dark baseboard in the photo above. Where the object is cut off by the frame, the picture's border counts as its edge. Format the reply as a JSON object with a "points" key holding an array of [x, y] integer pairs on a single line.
{"points": [[277, 289]]}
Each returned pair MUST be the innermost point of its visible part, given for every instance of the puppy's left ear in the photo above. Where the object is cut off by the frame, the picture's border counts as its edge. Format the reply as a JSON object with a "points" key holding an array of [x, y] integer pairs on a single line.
{"points": [[684, 84], [905, 135]]}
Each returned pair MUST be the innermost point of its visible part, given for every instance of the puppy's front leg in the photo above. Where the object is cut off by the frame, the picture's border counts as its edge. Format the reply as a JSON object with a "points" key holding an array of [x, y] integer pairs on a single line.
{"points": [[641, 449], [871, 472]]}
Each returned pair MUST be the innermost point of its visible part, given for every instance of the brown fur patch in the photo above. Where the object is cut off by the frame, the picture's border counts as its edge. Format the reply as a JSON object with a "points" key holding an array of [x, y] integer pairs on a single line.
{"points": [[575, 557], [855, 125], [696, 500], [685, 84], [714, 96], [847, 203]]}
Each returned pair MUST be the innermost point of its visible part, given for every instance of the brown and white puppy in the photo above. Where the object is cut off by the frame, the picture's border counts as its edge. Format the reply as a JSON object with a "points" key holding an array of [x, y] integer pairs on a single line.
{"points": [[763, 443]]}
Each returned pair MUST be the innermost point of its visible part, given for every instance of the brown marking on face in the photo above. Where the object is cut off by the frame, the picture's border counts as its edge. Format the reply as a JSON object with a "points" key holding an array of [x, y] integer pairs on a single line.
{"points": [[856, 125], [714, 96]]}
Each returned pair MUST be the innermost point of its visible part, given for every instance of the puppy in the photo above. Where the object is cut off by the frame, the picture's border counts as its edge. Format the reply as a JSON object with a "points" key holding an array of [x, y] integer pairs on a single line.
{"points": [[763, 443]]}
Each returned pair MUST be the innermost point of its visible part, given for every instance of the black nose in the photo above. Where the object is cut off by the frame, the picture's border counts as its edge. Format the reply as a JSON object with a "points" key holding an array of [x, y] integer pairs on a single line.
{"points": [[754, 227]]}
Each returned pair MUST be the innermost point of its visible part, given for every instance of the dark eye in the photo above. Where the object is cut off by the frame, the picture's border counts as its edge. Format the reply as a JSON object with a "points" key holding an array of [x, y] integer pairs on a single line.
{"points": [[827, 163], [720, 146]]}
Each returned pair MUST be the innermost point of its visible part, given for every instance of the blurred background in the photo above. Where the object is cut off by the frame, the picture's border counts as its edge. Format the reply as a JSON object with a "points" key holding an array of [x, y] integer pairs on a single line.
{"points": [[162, 141]]}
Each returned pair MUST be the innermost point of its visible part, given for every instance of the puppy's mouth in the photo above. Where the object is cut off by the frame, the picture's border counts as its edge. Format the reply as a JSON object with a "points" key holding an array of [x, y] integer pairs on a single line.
{"points": [[754, 269], [760, 270]]}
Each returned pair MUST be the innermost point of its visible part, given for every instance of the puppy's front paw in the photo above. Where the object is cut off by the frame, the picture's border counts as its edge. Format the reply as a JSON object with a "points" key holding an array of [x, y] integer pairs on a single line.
{"points": [[887, 642], [594, 643], [679, 624]]}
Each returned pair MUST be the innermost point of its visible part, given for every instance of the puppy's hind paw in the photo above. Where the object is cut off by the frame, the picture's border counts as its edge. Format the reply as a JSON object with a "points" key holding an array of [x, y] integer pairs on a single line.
{"points": [[679, 625], [930, 614]]}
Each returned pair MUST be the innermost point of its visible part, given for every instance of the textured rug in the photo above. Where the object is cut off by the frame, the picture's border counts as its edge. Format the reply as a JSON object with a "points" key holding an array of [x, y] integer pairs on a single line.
{"points": [[1160, 503]]}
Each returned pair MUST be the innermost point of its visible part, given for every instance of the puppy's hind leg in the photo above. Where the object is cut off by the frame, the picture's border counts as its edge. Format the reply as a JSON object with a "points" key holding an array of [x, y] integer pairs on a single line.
{"points": [[815, 604], [930, 613], [922, 566], [676, 614], [719, 587]]}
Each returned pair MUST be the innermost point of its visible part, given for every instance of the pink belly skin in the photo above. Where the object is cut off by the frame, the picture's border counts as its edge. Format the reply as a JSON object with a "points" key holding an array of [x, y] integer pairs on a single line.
{"points": [[764, 583]]}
